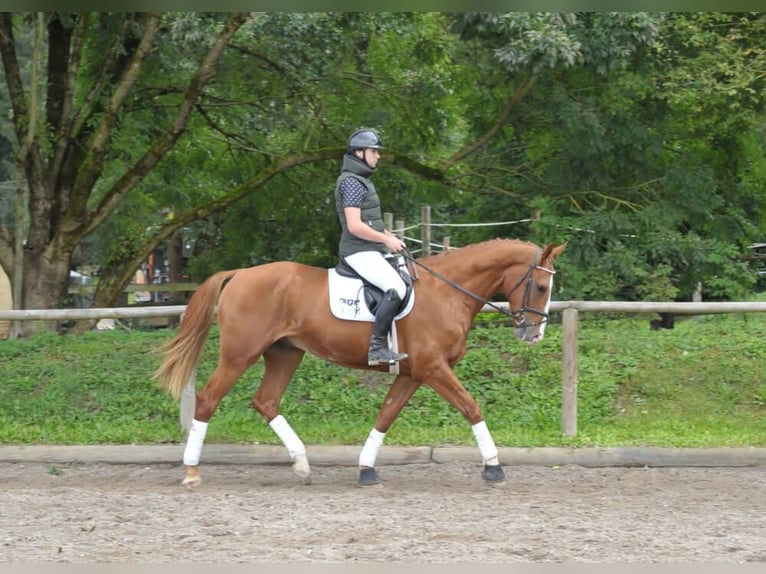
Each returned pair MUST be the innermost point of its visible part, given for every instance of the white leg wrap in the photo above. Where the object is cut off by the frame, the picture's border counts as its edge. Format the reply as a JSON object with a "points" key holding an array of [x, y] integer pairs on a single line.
{"points": [[287, 435], [371, 447], [194, 442], [486, 444]]}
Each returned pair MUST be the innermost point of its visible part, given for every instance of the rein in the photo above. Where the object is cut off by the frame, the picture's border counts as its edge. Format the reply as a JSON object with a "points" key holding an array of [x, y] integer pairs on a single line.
{"points": [[515, 315]]}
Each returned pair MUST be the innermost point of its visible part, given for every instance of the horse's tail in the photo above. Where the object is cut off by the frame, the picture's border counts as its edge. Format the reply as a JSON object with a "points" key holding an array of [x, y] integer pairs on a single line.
{"points": [[182, 353]]}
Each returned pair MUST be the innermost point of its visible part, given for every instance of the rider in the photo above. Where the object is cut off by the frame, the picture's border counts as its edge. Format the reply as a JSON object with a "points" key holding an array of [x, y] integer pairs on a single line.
{"points": [[364, 238]]}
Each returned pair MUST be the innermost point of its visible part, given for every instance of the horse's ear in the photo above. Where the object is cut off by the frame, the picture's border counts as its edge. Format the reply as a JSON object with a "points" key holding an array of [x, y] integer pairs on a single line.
{"points": [[552, 252]]}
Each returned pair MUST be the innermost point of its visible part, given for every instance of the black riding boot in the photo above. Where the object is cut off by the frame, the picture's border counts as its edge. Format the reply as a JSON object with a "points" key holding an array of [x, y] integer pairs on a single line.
{"points": [[384, 317]]}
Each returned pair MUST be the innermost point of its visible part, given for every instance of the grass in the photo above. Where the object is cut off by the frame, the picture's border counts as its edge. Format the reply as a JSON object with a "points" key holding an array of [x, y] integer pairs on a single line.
{"points": [[698, 385]]}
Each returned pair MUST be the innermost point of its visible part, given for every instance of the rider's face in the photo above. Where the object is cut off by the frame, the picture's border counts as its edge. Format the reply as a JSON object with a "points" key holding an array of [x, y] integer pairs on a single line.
{"points": [[371, 156]]}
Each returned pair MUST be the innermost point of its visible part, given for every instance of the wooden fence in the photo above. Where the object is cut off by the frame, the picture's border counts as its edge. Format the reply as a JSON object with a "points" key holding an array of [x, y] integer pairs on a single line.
{"points": [[569, 312]]}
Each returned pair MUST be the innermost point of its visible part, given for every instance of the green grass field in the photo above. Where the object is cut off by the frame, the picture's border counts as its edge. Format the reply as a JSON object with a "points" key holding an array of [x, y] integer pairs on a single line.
{"points": [[698, 385]]}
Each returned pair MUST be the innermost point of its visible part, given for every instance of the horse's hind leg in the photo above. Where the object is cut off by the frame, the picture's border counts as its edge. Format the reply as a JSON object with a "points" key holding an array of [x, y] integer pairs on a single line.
{"points": [[280, 361], [220, 382]]}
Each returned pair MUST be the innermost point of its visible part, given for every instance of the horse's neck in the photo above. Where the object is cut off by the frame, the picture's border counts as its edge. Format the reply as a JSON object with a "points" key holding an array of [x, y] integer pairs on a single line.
{"points": [[480, 268]]}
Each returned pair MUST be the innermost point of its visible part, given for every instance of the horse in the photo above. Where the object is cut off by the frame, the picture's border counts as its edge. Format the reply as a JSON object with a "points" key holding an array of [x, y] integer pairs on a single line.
{"points": [[281, 310]]}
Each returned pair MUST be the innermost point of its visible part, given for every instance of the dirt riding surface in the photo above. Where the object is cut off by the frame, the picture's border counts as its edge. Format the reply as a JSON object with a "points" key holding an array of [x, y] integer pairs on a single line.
{"points": [[419, 513]]}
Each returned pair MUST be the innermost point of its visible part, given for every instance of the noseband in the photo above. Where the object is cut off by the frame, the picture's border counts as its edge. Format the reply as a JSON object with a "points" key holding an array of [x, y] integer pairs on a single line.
{"points": [[519, 317]]}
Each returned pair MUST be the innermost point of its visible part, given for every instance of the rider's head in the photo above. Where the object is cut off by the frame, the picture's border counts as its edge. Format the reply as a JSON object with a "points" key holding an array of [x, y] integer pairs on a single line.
{"points": [[365, 145]]}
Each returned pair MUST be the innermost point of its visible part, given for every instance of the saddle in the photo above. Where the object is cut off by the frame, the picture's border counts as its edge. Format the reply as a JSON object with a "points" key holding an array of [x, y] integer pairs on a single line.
{"points": [[353, 298]]}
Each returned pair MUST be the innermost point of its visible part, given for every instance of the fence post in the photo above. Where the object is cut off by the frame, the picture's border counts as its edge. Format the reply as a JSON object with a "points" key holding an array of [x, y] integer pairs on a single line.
{"points": [[399, 228], [569, 372], [445, 244], [697, 297], [425, 229], [188, 402], [388, 220]]}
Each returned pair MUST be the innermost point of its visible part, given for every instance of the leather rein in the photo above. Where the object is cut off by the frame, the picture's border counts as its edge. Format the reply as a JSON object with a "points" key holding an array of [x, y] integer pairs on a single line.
{"points": [[519, 317]]}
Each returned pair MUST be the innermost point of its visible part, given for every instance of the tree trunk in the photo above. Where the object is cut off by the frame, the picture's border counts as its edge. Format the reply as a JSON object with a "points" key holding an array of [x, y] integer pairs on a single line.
{"points": [[46, 280], [62, 173], [175, 257]]}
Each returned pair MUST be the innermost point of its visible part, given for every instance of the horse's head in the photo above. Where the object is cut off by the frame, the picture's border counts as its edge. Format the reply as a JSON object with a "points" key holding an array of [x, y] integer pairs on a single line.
{"points": [[528, 290]]}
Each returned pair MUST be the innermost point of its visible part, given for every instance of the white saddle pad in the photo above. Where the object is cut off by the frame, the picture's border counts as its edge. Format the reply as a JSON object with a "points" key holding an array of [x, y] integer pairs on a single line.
{"points": [[347, 298]]}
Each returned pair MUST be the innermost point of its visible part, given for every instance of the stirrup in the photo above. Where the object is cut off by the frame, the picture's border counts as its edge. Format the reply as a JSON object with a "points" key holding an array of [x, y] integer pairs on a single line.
{"points": [[381, 356]]}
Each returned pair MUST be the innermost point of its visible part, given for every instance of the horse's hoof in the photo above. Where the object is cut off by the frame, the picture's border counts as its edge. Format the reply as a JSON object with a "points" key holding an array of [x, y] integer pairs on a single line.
{"points": [[301, 469], [493, 473], [367, 476], [192, 478], [191, 481], [304, 477]]}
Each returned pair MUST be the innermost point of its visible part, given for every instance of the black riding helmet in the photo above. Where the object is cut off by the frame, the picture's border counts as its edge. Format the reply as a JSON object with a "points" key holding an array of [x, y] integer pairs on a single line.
{"points": [[363, 139]]}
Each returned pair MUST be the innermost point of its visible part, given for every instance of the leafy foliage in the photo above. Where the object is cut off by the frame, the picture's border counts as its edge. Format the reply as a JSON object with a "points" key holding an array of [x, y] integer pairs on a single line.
{"points": [[699, 384], [614, 157], [637, 137]]}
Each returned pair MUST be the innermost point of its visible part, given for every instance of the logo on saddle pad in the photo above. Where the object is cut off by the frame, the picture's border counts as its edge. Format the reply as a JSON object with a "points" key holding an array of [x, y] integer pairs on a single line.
{"points": [[351, 299]]}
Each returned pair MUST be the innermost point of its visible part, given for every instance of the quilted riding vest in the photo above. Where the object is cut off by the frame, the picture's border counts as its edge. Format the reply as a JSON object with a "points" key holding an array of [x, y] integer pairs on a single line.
{"points": [[371, 212]]}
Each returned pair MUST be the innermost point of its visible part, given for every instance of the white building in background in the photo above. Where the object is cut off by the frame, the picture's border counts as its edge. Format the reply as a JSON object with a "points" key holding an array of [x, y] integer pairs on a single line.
{"points": [[6, 302]]}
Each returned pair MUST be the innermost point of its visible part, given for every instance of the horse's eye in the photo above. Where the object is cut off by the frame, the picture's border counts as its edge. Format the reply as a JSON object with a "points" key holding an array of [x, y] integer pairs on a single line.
{"points": [[541, 288]]}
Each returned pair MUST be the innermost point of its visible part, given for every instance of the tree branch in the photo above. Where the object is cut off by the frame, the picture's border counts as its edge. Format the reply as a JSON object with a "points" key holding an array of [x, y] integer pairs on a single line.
{"points": [[407, 163], [63, 125], [90, 169], [167, 140], [121, 272], [90, 100], [517, 96], [12, 73]]}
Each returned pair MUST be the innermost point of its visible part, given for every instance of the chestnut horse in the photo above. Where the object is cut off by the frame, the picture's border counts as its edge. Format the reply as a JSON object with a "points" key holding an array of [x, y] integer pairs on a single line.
{"points": [[280, 310]]}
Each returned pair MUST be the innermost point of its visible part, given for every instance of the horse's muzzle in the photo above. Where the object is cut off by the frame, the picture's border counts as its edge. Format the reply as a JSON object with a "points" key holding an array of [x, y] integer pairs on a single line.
{"points": [[530, 334]]}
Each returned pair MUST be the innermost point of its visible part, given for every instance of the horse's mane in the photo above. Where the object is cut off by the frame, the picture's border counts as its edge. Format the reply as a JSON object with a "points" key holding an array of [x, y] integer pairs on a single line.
{"points": [[482, 247]]}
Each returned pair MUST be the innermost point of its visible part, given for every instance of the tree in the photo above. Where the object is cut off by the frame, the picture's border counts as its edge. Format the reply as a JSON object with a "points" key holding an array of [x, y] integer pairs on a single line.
{"points": [[686, 216], [552, 69], [230, 126], [109, 164], [94, 62], [645, 155]]}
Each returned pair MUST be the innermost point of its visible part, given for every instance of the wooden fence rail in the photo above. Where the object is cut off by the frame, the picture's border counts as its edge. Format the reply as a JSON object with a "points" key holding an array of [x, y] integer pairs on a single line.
{"points": [[569, 313], [136, 288]]}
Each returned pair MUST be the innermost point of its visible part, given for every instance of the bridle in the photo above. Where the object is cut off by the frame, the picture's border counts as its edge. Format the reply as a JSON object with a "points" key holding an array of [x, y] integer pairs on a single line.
{"points": [[519, 317], [525, 308]]}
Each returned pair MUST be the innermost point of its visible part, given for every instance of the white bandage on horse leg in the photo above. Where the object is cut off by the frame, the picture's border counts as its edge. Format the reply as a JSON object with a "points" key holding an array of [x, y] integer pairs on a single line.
{"points": [[371, 447], [194, 442], [287, 435], [486, 444]]}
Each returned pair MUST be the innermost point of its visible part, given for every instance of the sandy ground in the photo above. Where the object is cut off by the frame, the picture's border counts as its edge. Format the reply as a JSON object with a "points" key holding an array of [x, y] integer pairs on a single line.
{"points": [[438, 513]]}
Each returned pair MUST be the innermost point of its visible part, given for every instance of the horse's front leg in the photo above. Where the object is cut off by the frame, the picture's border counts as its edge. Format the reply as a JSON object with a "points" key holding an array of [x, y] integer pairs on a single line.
{"points": [[398, 394], [280, 361], [449, 387]]}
